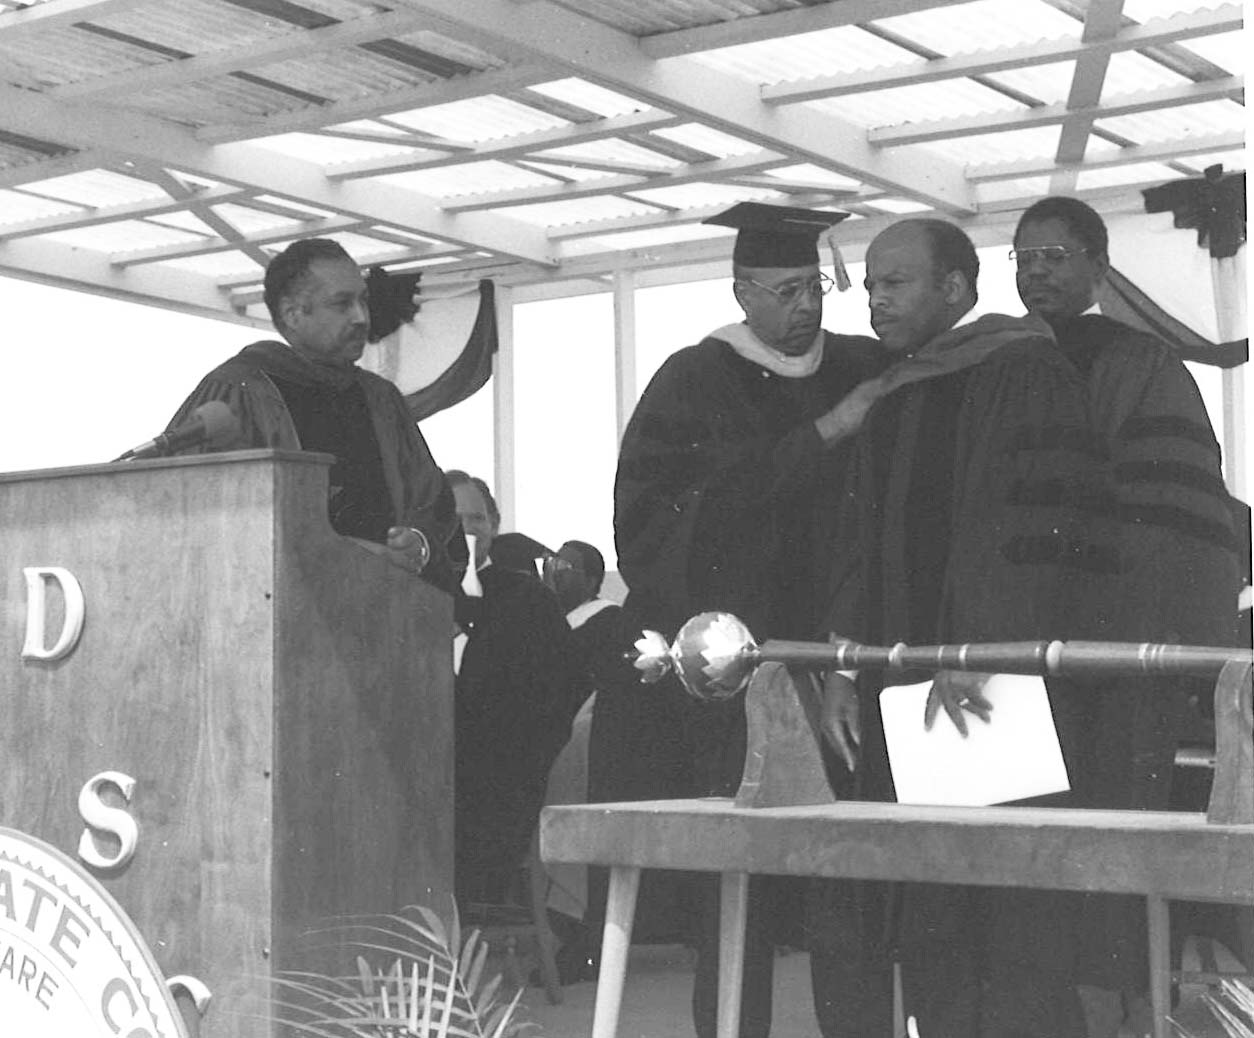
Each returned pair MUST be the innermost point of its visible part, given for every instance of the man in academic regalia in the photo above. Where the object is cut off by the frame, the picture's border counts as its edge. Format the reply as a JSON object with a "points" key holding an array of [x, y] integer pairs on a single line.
{"points": [[1176, 577], [971, 467], [307, 393], [718, 505]]}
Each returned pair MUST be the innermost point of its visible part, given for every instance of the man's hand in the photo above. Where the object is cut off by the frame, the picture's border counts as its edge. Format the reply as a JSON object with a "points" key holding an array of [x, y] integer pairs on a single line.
{"points": [[846, 418], [957, 691], [838, 716], [408, 548]]}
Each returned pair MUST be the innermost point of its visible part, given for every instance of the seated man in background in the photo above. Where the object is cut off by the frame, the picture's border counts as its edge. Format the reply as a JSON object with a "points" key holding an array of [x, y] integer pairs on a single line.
{"points": [[308, 393], [1174, 578], [623, 715], [517, 691]]}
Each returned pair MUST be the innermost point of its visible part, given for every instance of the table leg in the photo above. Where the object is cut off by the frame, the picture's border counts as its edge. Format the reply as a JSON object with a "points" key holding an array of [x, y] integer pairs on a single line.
{"points": [[1159, 964], [733, 914], [620, 914]]}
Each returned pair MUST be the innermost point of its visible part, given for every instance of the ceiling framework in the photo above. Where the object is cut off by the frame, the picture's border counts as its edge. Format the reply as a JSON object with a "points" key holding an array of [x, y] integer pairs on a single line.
{"points": [[163, 152]]}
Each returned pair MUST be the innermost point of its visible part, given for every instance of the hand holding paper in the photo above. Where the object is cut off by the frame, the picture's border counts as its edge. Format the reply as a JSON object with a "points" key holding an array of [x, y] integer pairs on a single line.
{"points": [[1014, 756], [956, 691]]}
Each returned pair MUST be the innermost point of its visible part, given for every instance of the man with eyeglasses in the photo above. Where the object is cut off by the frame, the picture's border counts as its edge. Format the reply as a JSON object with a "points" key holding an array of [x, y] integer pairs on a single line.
{"points": [[727, 473], [1175, 577]]}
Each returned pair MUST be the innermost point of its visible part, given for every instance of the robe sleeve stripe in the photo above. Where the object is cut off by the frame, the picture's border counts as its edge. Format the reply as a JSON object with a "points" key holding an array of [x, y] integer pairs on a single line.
{"points": [[1165, 426], [1055, 549], [1057, 437], [1174, 473], [1181, 521]]}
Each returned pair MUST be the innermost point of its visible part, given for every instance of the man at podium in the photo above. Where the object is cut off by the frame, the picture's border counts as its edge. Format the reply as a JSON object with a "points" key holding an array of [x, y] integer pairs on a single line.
{"points": [[307, 393]]}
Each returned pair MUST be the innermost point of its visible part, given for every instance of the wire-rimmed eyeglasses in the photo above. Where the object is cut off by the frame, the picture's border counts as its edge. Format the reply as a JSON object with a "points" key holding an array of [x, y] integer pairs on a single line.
{"points": [[791, 291], [1051, 255]]}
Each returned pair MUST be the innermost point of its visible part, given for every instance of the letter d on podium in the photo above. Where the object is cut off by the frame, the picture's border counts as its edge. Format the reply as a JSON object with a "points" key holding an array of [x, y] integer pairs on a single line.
{"points": [[37, 578]]}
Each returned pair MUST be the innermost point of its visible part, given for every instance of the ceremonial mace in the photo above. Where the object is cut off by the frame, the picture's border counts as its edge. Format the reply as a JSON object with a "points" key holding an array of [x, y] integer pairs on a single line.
{"points": [[715, 656]]}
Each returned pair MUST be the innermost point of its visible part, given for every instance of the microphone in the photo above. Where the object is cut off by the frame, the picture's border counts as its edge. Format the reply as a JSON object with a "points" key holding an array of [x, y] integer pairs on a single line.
{"points": [[212, 424]]}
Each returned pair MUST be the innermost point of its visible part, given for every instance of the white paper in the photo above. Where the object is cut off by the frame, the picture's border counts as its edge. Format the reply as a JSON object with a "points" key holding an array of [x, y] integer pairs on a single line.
{"points": [[1014, 756]]}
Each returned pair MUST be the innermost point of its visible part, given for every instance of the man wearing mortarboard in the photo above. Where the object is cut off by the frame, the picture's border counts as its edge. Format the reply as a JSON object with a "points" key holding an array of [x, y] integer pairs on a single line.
{"points": [[719, 505]]}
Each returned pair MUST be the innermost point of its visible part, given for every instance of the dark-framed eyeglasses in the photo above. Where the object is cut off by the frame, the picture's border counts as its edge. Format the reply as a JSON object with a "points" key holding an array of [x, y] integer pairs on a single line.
{"points": [[792, 291], [1050, 255]]}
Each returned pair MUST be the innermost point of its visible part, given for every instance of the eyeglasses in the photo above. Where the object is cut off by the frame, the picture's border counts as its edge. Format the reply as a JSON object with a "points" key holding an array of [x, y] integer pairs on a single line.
{"points": [[1053, 255], [791, 291]]}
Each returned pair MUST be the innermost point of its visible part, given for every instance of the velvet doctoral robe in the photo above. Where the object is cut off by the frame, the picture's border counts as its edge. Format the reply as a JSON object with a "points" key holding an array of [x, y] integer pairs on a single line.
{"points": [[249, 383], [970, 495], [1172, 521]]}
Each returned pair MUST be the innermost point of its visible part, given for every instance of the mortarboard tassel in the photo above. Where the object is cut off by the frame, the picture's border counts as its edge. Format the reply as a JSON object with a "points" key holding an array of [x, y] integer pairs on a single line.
{"points": [[839, 273]]}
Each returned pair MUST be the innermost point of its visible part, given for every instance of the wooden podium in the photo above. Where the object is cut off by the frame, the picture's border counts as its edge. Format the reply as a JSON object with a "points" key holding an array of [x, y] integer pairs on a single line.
{"points": [[281, 695]]}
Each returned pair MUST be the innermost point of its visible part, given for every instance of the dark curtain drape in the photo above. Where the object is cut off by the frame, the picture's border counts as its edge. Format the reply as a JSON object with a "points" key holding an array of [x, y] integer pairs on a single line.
{"points": [[472, 368]]}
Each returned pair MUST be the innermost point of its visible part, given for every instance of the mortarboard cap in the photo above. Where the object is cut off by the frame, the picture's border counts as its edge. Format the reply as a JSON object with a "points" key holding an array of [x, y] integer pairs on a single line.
{"points": [[776, 235]]}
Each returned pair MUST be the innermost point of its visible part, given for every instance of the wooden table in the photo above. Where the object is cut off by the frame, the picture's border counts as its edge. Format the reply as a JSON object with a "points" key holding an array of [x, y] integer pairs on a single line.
{"points": [[1160, 856]]}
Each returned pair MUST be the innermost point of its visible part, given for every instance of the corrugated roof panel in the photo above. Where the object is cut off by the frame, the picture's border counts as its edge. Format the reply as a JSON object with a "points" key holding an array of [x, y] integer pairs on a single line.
{"points": [[562, 171], [1126, 73], [364, 249], [479, 119], [474, 178], [184, 220], [344, 74], [100, 188], [18, 207], [579, 210], [192, 26], [1037, 142], [805, 56], [117, 239], [251, 221], [1230, 160], [70, 56], [950, 99], [232, 264], [815, 174], [330, 151], [982, 25], [607, 103], [1024, 187], [1129, 73], [899, 206], [1228, 50], [695, 196], [1169, 124], [1116, 176], [644, 17], [1048, 83], [225, 99], [453, 50], [646, 239], [301, 207], [1144, 10], [704, 138], [612, 150]]}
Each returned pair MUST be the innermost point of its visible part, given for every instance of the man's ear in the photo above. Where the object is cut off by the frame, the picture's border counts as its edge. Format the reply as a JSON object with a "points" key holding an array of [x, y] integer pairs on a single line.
{"points": [[955, 287]]}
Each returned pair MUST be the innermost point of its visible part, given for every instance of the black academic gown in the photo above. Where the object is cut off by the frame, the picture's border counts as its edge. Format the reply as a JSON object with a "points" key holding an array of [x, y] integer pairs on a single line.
{"points": [[1172, 522], [718, 506], [517, 693]]}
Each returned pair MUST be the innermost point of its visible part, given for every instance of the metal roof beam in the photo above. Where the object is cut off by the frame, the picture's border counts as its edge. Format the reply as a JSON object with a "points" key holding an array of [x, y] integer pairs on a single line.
{"points": [[1101, 22], [511, 147], [315, 117], [40, 19], [1162, 151], [760, 27], [688, 174], [1052, 115], [211, 246], [267, 172], [1228, 18], [615, 59], [108, 214], [84, 271], [182, 71]]}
